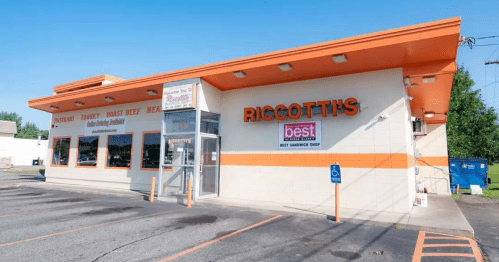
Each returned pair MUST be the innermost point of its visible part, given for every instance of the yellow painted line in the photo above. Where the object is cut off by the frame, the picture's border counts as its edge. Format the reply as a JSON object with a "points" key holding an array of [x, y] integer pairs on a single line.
{"points": [[476, 251], [44, 210], [81, 229], [447, 255], [192, 249], [418, 250], [447, 245], [451, 238]]}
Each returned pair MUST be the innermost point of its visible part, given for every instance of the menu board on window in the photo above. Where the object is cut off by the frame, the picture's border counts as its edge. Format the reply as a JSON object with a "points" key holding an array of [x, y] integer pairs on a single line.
{"points": [[179, 97], [105, 126]]}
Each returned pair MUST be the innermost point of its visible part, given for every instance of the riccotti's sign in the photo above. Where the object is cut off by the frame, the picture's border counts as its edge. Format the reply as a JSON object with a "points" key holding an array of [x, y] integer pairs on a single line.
{"points": [[349, 107]]}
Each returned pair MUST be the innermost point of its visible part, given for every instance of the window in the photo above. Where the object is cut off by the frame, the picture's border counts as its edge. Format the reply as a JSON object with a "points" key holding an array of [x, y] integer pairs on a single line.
{"points": [[209, 123], [180, 122], [87, 151], [61, 147], [151, 145], [119, 150]]}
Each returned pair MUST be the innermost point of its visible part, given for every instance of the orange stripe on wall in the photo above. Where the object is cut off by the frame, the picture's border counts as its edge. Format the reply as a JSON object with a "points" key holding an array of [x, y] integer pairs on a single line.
{"points": [[433, 161], [319, 160]]}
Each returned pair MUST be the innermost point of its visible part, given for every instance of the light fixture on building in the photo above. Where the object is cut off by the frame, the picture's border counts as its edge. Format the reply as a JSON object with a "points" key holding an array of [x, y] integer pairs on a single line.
{"points": [[79, 104], [339, 59], [409, 98], [239, 74], [285, 67], [109, 99], [429, 115], [151, 92], [429, 79], [407, 82], [53, 108]]}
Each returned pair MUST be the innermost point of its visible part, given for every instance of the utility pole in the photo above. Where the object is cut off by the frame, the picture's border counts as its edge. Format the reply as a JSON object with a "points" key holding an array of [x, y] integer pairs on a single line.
{"points": [[492, 62]]}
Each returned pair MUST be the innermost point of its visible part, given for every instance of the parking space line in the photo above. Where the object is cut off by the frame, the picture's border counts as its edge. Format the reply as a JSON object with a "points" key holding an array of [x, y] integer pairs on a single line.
{"points": [[83, 228], [447, 245], [44, 210], [418, 251], [447, 255], [189, 250]]}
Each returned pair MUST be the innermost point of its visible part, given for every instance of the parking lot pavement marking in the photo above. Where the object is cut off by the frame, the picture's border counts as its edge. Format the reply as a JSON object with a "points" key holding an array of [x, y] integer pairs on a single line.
{"points": [[82, 228], [44, 210], [189, 250], [418, 251]]}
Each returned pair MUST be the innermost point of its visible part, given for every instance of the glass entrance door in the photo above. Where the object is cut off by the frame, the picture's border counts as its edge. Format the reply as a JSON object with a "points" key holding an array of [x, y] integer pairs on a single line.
{"points": [[208, 162], [179, 163]]}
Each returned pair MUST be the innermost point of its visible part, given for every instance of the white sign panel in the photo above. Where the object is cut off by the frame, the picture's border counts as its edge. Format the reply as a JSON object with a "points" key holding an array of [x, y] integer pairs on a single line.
{"points": [[306, 135], [105, 126], [179, 97]]}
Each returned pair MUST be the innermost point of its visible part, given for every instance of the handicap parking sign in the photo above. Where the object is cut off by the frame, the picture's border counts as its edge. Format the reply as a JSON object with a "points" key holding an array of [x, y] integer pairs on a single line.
{"points": [[335, 174]]}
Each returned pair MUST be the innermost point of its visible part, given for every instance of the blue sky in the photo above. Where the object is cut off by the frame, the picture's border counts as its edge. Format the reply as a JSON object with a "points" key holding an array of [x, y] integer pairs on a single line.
{"points": [[45, 43]]}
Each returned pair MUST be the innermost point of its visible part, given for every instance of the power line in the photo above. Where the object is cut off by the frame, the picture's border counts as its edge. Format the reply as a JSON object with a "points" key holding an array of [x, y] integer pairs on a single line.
{"points": [[486, 45], [485, 37]]}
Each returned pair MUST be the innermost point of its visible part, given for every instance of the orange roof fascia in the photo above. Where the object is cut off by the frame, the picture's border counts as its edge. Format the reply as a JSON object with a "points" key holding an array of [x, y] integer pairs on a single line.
{"points": [[368, 41], [87, 82]]}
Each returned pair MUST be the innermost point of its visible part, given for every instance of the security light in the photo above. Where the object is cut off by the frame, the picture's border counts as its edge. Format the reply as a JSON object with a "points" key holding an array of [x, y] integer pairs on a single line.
{"points": [[285, 67], [239, 74], [429, 115], [429, 79], [109, 99], [79, 104], [339, 59], [151, 92]]}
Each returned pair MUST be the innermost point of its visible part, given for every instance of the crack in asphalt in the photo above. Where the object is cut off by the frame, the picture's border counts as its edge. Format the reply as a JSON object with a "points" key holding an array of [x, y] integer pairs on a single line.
{"points": [[133, 242]]}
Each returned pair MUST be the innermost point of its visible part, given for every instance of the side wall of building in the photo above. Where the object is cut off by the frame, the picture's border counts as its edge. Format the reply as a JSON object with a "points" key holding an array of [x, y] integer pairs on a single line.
{"points": [[375, 153], [22, 152], [433, 162]]}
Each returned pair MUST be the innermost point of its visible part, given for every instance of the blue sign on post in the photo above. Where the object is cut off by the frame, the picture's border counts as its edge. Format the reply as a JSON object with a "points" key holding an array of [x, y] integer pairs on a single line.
{"points": [[335, 174]]}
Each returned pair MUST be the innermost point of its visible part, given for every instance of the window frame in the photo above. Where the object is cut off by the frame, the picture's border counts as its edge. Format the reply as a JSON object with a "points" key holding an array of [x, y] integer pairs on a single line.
{"points": [[107, 152], [78, 151], [142, 151], [52, 151]]}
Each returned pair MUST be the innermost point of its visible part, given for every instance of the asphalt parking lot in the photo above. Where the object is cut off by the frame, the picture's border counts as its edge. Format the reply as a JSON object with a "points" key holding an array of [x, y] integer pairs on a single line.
{"points": [[39, 224]]}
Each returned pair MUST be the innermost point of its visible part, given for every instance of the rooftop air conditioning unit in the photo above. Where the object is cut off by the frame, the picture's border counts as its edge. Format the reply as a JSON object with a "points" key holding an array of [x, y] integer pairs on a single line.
{"points": [[419, 128]]}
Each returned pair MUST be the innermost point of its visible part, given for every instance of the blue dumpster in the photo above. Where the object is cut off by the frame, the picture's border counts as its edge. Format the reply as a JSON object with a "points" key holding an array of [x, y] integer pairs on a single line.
{"points": [[468, 171]]}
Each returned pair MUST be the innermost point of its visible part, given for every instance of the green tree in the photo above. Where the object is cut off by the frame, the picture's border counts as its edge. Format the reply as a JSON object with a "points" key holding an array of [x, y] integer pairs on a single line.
{"points": [[29, 130], [12, 117], [472, 129]]}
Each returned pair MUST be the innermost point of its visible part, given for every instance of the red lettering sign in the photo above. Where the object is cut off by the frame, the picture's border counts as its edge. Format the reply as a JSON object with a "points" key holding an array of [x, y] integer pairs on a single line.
{"points": [[294, 111]]}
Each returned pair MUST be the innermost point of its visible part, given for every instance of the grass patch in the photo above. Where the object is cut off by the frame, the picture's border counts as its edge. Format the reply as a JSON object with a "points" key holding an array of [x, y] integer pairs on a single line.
{"points": [[455, 196], [39, 171], [493, 173], [491, 192]]}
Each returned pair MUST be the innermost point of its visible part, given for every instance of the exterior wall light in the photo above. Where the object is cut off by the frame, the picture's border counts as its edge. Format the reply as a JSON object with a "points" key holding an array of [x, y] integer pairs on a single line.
{"points": [[429, 79], [79, 104], [339, 59], [151, 92], [285, 67], [53, 108], [109, 99], [407, 82], [239, 74], [429, 115]]}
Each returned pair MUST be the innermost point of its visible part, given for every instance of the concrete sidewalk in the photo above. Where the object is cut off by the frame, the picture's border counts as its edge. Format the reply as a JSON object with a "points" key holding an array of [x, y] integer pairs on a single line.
{"points": [[442, 214]]}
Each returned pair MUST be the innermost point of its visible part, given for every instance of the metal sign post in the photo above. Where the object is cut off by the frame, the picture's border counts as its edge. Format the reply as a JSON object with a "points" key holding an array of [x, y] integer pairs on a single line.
{"points": [[336, 179]]}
